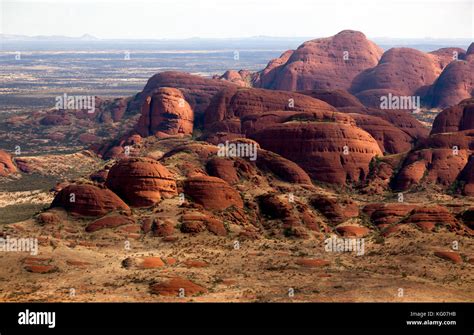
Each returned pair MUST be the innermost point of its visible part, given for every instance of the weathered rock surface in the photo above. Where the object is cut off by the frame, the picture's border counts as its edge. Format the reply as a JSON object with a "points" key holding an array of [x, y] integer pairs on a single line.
{"points": [[235, 103], [388, 213], [145, 262], [455, 118], [223, 169], [336, 98], [455, 84], [88, 200], [166, 111], [193, 222], [241, 78], [141, 182], [328, 151], [6, 164], [177, 287], [334, 209], [428, 217], [323, 63], [391, 139], [283, 168], [197, 90], [400, 72], [400, 119], [353, 231], [212, 193], [451, 256], [108, 222]]}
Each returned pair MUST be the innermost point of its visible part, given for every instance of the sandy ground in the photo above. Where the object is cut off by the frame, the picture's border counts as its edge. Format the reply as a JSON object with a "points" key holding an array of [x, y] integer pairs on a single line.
{"points": [[89, 268]]}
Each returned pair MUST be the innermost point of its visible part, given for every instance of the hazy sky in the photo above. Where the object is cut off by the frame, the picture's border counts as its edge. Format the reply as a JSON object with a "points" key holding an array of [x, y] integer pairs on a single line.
{"points": [[237, 18]]}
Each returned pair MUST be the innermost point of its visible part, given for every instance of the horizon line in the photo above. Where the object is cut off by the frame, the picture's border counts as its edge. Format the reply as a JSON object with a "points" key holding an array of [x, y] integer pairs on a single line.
{"points": [[92, 37]]}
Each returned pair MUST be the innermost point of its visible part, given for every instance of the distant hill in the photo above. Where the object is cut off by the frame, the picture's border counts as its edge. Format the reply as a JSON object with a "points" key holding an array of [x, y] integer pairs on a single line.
{"points": [[55, 38]]}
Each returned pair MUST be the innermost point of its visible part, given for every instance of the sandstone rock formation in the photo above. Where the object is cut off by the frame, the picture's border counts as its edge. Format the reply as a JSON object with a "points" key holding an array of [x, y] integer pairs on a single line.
{"points": [[87, 138], [141, 182], [111, 221], [353, 231], [451, 256], [334, 209], [447, 55], [224, 169], [193, 222], [212, 193], [445, 158], [323, 63], [381, 174], [88, 200], [266, 77], [439, 166], [283, 168], [235, 103], [455, 118], [466, 177], [111, 110], [336, 98], [312, 262], [56, 118], [197, 90], [292, 218], [398, 118], [382, 214], [401, 72], [455, 84], [166, 111], [470, 50], [177, 286], [428, 217], [403, 121], [328, 151], [148, 262], [6, 164], [391, 139], [255, 122], [241, 78]]}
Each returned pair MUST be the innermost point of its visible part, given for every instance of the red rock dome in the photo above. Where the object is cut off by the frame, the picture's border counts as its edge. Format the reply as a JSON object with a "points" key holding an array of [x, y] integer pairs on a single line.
{"points": [[212, 193], [239, 102], [141, 182], [197, 90], [401, 71], [455, 84], [328, 151], [88, 200], [455, 118], [323, 63]]}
